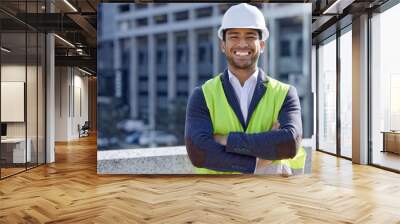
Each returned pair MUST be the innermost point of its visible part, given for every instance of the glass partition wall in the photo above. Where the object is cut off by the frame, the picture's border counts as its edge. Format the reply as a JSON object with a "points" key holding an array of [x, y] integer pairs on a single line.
{"points": [[334, 95], [385, 89], [327, 95], [13, 110], [345, 63], [22, 77]]}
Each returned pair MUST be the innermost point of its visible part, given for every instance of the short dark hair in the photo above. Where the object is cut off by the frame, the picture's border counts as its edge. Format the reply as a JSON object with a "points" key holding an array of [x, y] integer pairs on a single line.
{"points": [[224, 34]]}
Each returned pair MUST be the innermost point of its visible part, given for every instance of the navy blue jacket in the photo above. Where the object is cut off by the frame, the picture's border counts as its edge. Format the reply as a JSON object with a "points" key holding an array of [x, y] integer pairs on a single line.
{"points": [[242, 149]]}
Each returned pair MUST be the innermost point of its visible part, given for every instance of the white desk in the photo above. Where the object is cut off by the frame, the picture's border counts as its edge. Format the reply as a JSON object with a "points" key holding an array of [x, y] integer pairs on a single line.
{"points": [[18, 150]]}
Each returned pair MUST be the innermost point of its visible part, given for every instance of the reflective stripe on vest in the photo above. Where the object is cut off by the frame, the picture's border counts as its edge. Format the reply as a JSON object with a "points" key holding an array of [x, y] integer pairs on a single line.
{"points": [[224, 121]]}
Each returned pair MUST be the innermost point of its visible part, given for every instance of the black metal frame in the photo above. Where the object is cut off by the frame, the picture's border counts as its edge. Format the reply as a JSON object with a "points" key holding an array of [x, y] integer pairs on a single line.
{"points": [[317, 97], [26, 88], [369, 104], [338, 98], [0, 92]]}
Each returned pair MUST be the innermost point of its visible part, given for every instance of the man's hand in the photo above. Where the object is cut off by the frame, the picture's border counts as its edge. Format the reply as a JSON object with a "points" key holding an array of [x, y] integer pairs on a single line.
{"points": [[276, 125], [221, 139], [263, 163]]}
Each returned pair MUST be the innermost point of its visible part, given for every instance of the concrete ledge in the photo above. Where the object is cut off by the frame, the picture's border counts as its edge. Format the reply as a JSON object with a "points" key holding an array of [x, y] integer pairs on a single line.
{"points": [[162, 160]]}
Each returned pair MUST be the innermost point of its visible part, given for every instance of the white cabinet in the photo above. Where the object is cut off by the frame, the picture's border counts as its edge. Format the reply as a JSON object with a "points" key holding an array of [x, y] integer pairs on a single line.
{"points": [[17, 146]]}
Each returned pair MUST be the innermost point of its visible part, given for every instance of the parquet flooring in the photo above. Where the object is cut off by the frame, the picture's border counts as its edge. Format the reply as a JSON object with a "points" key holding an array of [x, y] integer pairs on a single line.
{"points": [[70, 191], [10, 171]]}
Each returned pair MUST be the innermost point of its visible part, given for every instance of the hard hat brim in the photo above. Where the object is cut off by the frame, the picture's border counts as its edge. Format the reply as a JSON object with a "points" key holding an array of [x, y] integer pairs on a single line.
{"points": [[264, 32]]}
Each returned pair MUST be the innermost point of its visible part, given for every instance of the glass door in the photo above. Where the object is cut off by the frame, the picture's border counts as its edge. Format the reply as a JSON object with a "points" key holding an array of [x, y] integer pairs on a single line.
{"points": [[345, 41], [385, 89], [326, 54], [14, 154]]}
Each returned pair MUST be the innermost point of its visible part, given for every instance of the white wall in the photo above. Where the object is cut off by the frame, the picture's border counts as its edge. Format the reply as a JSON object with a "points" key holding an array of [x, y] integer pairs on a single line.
{"points": [[79, 117], [71, 93], [61, 103], [12, 73]]}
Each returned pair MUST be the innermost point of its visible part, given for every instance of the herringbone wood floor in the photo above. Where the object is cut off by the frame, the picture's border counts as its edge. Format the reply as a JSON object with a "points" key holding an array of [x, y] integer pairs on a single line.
{"points": [[70, 191]]}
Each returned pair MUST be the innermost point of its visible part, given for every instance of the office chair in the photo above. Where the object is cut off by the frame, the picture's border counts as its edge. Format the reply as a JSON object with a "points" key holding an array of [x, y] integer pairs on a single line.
{"points": [[84, 130]]}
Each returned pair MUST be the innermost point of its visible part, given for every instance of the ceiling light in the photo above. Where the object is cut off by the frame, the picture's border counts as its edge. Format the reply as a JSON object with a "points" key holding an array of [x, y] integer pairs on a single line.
{"points": [[70, 5], [86, 72], [329, 9], [338, 6], [5, 50], [64, 40]]}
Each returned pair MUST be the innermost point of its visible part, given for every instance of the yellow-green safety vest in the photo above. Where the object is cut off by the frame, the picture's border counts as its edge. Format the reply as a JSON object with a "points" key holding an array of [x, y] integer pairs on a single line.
{"points": [[224, 121]]}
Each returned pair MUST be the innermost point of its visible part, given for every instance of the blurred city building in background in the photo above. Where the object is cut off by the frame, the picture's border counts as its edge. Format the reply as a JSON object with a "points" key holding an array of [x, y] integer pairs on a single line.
{"points": [[152, 56]]}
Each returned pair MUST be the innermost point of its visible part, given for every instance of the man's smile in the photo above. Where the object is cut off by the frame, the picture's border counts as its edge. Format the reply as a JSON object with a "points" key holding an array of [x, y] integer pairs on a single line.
{"points": [[242, 53]]}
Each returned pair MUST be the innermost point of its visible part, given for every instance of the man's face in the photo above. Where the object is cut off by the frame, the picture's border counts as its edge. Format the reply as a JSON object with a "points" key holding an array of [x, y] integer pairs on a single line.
{"points": [[242, 47]]}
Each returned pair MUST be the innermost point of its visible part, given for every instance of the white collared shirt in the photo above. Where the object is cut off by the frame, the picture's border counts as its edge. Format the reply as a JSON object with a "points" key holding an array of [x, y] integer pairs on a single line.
{"points": [[244, 93]]}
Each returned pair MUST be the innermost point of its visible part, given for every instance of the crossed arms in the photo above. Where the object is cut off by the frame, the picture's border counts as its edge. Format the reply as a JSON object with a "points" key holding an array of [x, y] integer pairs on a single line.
{"points": [[241, 149]]}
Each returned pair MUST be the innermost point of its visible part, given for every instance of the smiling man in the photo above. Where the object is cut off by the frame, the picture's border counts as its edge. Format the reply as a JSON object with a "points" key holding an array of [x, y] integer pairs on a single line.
{"points": [[242, 121]]}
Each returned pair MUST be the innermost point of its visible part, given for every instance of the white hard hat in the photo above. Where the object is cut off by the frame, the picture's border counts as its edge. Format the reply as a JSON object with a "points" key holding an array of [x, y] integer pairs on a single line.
{"points": [[243, 16]]}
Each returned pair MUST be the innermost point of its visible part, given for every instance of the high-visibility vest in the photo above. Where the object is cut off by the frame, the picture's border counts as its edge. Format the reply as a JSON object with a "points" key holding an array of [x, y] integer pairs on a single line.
{"points": [[224, 121]]}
